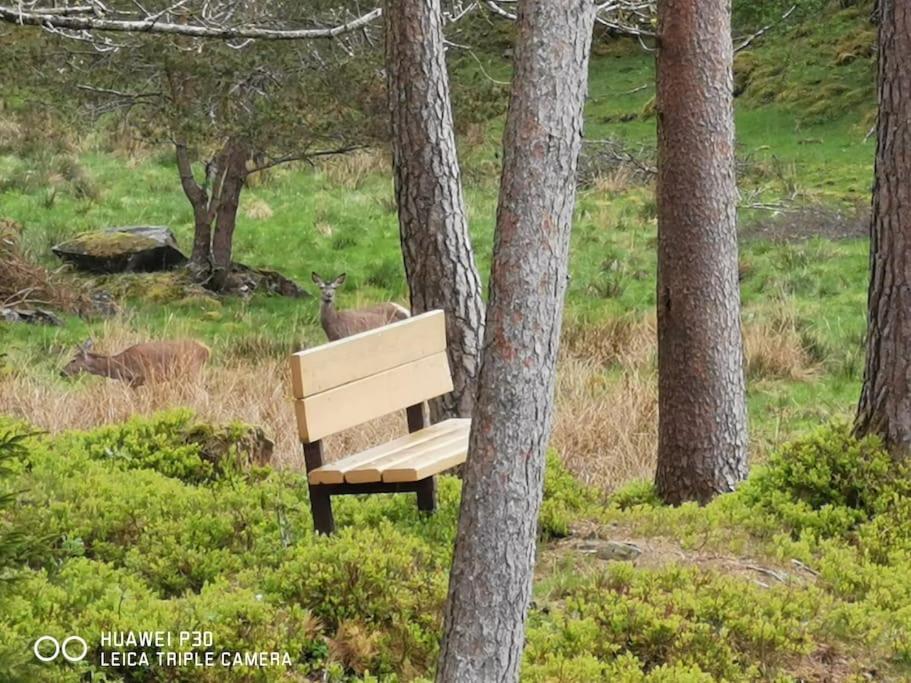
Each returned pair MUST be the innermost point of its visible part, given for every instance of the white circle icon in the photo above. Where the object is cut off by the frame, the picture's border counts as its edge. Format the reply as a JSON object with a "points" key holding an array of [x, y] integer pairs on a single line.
{"points": [[74, 658], [37, 648], [59, 648]]}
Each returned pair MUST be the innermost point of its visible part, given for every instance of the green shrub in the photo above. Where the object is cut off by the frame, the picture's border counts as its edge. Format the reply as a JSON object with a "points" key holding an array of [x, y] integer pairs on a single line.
{"points": [[236, 555], [565, 499], [171, 443], [641, 492], [827, 482]]}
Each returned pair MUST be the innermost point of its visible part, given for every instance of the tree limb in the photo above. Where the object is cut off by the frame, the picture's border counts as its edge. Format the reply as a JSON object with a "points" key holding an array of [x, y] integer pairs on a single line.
{"points": [[195, 193], [51, 18], [303, 156], [746, 42]]}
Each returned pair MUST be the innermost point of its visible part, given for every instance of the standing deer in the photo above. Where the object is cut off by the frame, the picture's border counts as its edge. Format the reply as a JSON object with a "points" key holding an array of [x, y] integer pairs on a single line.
{"points": [[338, 324], [150, 362]]}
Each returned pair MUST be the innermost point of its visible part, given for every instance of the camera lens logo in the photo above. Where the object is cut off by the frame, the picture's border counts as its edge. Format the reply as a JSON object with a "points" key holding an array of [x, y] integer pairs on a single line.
{"points": [[48, 648]]}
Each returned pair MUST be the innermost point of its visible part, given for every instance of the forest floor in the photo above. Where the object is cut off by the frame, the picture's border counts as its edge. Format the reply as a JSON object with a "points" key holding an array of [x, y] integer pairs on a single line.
{"points": [[757, 586]]}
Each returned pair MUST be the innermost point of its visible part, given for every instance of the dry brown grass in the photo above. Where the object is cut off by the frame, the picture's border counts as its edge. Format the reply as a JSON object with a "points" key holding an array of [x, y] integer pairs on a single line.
{"points": [[605, 427], [257, 394], [350, 170], [257, 209], [776, 351], [607, 401], [615, 181], [25, 282], [626, 341]]}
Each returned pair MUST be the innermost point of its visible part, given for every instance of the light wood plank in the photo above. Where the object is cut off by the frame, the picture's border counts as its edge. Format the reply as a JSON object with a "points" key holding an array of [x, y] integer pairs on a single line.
{"points": [[334, 473], [337, 363], [427, 466], [357, 402], [374, 470]]}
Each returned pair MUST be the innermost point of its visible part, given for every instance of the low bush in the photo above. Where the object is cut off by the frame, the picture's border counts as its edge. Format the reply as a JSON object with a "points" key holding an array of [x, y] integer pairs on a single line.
{"points": [[147, 535], [828, 483]]}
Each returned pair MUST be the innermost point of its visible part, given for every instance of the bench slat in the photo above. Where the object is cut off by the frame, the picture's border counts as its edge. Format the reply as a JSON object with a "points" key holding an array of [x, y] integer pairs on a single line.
{"points": [[337, 363], [415, 470], [357, 402], [375, 470], [334, 473]]}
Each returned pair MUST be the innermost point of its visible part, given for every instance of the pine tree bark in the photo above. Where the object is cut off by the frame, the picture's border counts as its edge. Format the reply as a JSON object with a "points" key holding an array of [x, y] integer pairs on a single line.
{"points": [[885, 400], [702, 436], [439, 262], [491, 577]]}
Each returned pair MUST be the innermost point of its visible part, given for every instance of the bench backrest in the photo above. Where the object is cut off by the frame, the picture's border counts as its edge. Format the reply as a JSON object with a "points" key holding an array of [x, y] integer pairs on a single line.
{"points": [[350, 381]]}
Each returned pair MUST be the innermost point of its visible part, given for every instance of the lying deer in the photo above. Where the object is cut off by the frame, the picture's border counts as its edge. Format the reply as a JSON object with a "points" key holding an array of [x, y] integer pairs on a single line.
{"points": [[338, 324], [157, 361]]}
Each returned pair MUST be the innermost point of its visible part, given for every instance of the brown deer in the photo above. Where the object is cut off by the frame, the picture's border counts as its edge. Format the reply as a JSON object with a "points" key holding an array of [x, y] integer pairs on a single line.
{"points": [[150, 362], [339, 324]]}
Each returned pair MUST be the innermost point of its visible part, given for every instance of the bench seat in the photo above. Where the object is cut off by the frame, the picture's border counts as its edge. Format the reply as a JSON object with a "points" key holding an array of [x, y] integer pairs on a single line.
{"points": [[411, 458]]}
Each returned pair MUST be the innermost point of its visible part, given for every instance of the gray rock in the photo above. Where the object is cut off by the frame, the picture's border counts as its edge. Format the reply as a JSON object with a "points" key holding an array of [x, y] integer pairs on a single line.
{"points": [[119, 250], [610, 550], [34, 316]]}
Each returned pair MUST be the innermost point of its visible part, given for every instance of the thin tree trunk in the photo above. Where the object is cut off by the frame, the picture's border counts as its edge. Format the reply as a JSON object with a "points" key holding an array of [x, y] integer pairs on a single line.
{"points": [[885, 400], [233, 174], [490, 582], [198, 197], [702, 437], [439, 263]]}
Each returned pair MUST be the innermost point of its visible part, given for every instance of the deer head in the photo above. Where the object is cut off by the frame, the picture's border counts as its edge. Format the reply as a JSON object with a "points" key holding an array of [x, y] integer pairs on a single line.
{"points": [[82, 362], [327, 289]]}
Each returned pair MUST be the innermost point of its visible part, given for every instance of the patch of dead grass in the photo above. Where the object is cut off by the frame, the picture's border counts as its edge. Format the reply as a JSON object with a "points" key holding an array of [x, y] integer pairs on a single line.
{"points": [[257, 209], [776, 351], [350, 170], [605, 427]]}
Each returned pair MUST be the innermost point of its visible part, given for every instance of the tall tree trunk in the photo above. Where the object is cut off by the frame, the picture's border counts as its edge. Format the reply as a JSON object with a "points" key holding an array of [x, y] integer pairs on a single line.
{"points": [[702, 437], [439, 262], [232, 173], [885, 400], [490, 582]]}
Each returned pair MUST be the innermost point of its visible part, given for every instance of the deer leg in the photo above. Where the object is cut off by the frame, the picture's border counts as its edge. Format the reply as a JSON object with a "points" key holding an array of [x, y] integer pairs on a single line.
{"points": [[321, 507], [427, 494]]}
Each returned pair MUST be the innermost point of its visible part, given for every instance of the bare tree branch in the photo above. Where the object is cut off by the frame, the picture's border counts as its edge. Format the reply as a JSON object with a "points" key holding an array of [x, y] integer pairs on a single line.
{"points": [[744, 43], [304, 156], [52, 18]]}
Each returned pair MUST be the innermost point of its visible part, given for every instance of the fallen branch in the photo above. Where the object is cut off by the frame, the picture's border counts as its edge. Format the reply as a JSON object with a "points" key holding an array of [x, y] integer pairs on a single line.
{"points": [[52, 18]]}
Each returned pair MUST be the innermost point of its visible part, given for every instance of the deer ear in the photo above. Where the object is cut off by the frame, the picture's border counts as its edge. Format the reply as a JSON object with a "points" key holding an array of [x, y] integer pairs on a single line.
{"points": [[316, 278], [340, 280], [86, 346]]}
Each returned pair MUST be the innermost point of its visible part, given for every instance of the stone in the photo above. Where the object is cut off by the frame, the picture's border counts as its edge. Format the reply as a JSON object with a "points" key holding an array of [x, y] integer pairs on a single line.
{"points": [[33, 316], [611, 551], [120, 250]]}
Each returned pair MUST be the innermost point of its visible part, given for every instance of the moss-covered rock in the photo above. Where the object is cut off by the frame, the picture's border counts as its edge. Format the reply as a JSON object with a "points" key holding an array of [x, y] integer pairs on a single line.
{"points": [[120, 250]]}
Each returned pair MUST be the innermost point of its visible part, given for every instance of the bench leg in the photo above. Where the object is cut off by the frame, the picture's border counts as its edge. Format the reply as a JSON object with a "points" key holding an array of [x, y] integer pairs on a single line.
{"points": [[427, 494], [321, 507]]}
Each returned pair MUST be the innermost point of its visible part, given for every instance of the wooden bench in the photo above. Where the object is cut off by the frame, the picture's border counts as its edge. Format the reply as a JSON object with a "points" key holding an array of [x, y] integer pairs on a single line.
{"points": [[350, 381]]}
